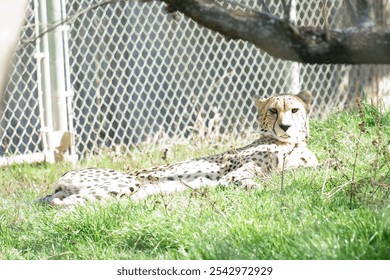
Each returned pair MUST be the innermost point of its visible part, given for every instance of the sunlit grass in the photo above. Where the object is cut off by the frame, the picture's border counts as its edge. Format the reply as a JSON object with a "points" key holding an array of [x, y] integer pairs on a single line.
{"points": [[335, 212]]}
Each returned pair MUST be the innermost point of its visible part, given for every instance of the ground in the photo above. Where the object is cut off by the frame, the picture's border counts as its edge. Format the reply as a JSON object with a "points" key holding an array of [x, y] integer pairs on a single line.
{"points": [[337, 213]]}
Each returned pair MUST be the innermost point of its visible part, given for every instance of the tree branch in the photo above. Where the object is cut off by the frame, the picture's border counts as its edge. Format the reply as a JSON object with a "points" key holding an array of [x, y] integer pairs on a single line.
{"points": [[54, 26], [286, 41]]}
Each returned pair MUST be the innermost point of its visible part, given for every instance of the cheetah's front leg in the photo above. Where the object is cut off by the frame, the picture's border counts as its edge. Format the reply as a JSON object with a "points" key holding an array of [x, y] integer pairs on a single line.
{"points": [[242, 176]]}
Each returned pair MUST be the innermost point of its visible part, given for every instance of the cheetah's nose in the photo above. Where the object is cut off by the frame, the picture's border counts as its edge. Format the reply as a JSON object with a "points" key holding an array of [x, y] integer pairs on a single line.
{"points": [[284, 127]]}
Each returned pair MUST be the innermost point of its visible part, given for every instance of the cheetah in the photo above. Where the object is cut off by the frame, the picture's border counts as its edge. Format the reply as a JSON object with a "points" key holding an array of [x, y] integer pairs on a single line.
{"points": [[283, 144]]}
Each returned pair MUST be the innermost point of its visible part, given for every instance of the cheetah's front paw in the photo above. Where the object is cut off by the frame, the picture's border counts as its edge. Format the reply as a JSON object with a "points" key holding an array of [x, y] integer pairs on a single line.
{"points": [[246, 183], [249, 184]]}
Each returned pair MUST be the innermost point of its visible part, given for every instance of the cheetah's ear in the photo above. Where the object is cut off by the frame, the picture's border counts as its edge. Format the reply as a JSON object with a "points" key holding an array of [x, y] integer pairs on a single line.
{"points": [[306, 97], [259, 102]]}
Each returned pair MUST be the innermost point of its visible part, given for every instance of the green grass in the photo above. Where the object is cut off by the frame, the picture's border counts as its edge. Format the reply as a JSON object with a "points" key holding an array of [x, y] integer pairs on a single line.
{"points": [[340, 212]]}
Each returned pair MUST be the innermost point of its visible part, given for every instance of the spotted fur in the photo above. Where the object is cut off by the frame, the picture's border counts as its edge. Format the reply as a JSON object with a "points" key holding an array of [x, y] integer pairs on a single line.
{"points": [[283, 144]]}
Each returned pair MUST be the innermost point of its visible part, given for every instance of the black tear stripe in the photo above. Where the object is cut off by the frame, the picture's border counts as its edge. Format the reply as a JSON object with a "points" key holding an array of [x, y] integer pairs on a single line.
{"points": [[276, 120]]}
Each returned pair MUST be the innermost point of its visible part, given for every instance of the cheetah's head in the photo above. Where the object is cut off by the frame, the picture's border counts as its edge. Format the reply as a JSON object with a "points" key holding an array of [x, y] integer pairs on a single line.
{"points": [[285, 116]]}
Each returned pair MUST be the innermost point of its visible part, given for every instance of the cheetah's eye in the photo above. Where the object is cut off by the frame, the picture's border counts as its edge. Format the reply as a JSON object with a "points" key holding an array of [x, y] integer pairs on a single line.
{"points": [[294, 110], [273, 111]]}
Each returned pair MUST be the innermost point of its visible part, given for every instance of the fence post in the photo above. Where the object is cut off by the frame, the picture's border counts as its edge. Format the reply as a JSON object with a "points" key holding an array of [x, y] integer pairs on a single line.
{"points": [[57, 131], [293, 69], [44, 85]]}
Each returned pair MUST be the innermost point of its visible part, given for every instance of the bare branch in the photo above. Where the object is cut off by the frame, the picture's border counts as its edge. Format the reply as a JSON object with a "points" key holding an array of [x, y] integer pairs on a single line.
{"points": [[67, 20]]}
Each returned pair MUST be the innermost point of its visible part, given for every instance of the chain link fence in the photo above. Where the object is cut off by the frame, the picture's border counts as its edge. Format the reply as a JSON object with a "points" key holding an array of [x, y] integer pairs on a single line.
{"points": [[139, 75]]}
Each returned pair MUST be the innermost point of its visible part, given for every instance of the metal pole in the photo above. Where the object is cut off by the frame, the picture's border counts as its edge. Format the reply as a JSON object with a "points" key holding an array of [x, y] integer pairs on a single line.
{"points": [[293, 68], [70, 93], [44, 85], [55, 90], [57, 66]]}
